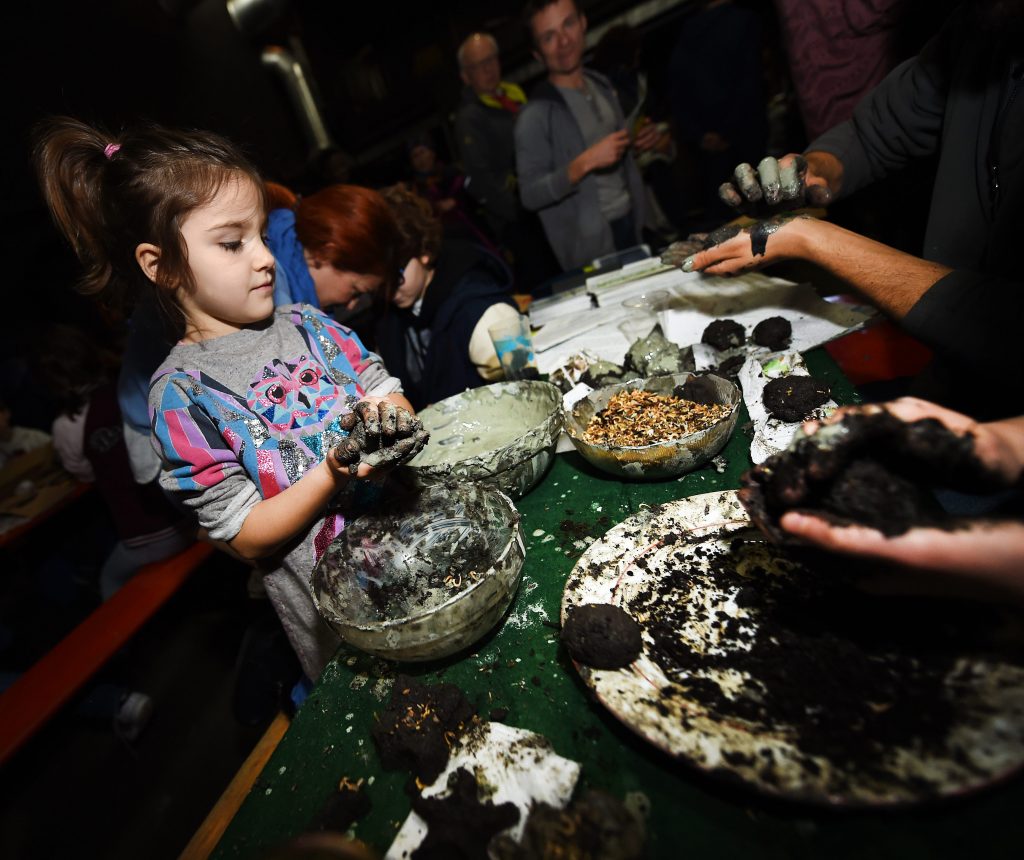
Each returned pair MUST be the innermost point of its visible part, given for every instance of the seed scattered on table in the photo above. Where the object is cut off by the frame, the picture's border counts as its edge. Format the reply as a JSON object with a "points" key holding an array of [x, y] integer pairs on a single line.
{"points": [[644, 418]]}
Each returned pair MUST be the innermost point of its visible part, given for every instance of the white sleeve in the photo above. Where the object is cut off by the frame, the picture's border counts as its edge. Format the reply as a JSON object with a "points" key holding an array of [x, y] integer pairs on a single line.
{"points": [[481, 347], [69, 443]]}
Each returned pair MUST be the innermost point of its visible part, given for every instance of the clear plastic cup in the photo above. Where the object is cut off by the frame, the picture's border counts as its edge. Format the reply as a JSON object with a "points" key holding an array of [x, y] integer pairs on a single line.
{"points": [[514, 346]]}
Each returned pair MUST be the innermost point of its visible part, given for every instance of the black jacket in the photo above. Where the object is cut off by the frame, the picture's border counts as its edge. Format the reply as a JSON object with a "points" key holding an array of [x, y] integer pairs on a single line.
{"points": [[467, 281]]}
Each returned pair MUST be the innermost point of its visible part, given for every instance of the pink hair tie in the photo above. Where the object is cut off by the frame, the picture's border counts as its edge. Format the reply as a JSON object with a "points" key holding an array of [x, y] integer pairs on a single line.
{"points": [[110, 149]]}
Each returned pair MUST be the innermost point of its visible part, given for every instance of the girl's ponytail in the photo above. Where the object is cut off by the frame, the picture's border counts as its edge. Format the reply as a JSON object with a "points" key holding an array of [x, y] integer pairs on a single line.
{"points": [[71, 159]]}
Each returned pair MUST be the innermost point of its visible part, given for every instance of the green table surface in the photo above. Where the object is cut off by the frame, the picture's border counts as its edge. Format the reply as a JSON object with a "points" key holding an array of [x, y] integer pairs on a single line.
{"points": [[521, 666]]}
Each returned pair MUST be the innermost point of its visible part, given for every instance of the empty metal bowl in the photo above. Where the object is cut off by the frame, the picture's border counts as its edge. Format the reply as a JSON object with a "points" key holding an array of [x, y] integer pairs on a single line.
{"points": [[503, 435], [667, 459], [423, 574]]}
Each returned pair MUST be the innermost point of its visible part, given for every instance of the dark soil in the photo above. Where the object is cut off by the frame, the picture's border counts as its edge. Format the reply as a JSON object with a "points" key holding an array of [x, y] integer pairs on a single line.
{"points": [[416, 729], [459, 825], [699, 389], [730, 368], [793, 398], [773, 332], [724, 334], [602, 636], [869, 469], [346, 806], [597, 825], [846, 675]]}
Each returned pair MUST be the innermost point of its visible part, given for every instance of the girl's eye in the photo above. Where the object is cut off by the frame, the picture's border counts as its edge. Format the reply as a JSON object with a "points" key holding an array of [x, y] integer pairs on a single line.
{"points": [[233, 247], [265, 238]]}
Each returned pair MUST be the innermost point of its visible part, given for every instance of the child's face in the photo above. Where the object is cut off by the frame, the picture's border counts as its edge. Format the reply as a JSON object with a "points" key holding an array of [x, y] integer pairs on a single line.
{"points": [[415, 277], [232, 268]]}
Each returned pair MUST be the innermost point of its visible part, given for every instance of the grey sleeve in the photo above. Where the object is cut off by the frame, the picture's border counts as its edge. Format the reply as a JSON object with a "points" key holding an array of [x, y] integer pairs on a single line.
{"points": [[375, 379], [542, 181], [196, 465]]}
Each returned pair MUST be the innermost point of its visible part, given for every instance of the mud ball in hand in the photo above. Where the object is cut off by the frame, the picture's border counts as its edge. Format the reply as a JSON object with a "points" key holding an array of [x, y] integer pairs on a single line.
{"points": [[793, 398], [774, 333], [724, 334], [601, 636]]}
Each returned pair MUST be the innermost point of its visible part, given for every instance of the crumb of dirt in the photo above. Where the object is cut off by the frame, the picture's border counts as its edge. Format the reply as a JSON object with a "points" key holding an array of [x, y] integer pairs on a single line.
{"points": [[416, 729], [773, 332], [724, 334], [602, 636], [873, 470], [792, 398], [459, 825], [596, 825]]}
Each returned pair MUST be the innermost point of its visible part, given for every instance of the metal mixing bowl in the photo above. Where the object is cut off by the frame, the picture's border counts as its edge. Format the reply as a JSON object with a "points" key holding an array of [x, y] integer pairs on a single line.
{"points": [[423, 574], [503, 435], [662, 459]]}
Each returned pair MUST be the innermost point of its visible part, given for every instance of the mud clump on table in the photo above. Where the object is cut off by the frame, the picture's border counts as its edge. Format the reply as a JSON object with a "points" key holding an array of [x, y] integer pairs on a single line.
{"points": [[601, 636], [774, 333], [459, 825], [724, 334], [421, 721], [872, 470], [596, 825], [794, 397], [343, 808]]}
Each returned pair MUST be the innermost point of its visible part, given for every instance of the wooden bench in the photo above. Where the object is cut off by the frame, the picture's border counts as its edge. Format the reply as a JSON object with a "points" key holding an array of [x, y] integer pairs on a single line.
{"points": [[44, 689]]}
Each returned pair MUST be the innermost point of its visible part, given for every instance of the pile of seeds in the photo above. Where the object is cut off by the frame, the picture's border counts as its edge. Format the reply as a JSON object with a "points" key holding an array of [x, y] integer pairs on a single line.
{"points": [[643, 418]]}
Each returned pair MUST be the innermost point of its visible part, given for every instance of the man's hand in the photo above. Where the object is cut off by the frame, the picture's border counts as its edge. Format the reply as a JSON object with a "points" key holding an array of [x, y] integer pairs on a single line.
{"points": [[607, 152], [730, 250], [648, 137], [984, 556], [791, 182], [998, 445]]}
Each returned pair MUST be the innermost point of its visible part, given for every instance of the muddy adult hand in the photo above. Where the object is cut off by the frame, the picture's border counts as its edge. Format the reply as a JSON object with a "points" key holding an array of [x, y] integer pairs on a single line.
{"points": [[732, 249], [982, 556], [789, 181], [998, 445]]}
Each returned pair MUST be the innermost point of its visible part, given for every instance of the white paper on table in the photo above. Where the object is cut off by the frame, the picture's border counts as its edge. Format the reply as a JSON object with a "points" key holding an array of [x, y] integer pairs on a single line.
{"points": [[564, 328], [753, 297], [770, 434], [570, 399], [699, 299], [520, 766]]}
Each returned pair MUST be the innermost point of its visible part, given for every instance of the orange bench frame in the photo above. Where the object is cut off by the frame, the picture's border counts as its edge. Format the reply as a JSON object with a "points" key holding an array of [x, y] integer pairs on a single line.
{"points": [[40, 692]]}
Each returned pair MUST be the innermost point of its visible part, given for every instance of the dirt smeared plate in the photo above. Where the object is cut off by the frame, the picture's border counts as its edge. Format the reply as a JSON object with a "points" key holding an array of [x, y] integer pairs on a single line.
{"points": [[756, 668]]}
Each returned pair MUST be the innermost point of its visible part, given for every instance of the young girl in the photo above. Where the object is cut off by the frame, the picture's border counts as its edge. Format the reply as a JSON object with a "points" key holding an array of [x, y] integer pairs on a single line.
{"points": [[252, 408]]}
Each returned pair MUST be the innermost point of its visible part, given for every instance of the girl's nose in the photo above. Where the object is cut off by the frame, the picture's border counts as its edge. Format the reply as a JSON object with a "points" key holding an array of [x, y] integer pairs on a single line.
{"points": [[264, 259]]}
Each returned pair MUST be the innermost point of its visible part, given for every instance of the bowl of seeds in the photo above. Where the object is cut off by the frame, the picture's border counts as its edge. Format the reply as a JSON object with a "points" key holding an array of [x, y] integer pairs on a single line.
{"points": [[650, 429], [422, 574]]}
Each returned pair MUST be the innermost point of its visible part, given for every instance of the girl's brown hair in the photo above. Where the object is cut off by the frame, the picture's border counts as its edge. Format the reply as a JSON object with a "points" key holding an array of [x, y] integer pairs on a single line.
{"points": [[111, 193]]}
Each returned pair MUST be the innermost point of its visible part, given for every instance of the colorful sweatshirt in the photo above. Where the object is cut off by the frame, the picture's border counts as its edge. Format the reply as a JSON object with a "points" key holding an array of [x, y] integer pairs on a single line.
{"points": [[241, 417]]}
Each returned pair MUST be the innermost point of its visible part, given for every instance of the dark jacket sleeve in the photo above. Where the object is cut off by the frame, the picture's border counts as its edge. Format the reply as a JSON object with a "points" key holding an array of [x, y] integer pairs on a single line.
{"points": [[972, 319], [491, 187], [898, 121]]}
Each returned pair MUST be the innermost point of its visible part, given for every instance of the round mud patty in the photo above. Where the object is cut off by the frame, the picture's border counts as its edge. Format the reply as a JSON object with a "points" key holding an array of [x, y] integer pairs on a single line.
{"points": [[602, 636], [774, 333], [724, 334], [792, 398]]}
